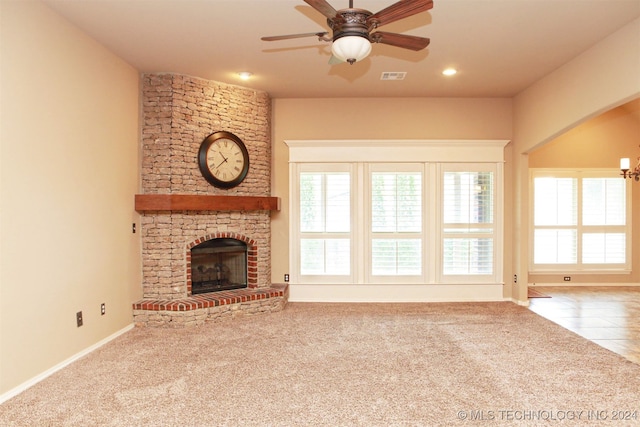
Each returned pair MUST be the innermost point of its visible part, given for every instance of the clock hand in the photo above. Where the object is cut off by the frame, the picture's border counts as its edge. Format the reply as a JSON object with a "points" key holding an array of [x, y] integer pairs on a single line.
{"points": [[224, 161]]}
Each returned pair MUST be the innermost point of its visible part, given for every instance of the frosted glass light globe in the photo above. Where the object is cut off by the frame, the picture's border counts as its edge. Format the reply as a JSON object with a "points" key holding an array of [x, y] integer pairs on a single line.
{"points": [[351, 48]]}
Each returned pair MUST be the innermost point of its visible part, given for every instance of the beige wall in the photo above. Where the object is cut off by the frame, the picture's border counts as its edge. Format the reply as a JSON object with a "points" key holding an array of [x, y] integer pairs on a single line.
{"points": [[597, 143], [370, 118], [603, 77], [69, 172]]}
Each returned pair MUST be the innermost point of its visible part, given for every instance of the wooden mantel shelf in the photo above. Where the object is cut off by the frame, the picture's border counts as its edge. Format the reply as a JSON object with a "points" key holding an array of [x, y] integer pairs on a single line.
{"points": [[186, 202]]}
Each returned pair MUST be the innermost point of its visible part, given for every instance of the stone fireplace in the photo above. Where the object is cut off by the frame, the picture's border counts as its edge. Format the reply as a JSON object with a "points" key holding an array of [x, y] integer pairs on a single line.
{"points": [[205, 251]]}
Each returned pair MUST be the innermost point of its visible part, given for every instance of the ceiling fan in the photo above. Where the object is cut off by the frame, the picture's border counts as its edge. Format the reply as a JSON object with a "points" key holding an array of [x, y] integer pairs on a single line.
{"points": [[354, 29]]}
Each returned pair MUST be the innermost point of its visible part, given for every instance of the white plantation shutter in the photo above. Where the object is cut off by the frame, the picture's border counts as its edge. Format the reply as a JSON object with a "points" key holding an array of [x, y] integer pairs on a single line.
{"points": [[555, 246], [396, 223], [603, 201], [325, 206], [312, 206], [603, 211], [324, 256], [324, 202], [555, 218], [396, 257], [396, 202], [603, 248], [468, 198], [468, 223], [555, 201], [580, 221]]}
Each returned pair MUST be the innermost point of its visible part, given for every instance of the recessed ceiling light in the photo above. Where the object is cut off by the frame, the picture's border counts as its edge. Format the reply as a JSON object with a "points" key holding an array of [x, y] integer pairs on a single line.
{"points": [[449, 71], [245, 75]]}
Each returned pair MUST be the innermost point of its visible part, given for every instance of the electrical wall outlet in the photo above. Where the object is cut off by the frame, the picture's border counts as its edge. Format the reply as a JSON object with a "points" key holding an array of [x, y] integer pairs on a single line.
{"points": [[103, 309], [567, 278], [286, 277], [79, 318]]}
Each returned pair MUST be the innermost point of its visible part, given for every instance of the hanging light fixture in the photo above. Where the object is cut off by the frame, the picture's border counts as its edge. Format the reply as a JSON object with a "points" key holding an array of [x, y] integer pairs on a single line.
{"points": [[351, 48], [351, 41], [625, 167]]}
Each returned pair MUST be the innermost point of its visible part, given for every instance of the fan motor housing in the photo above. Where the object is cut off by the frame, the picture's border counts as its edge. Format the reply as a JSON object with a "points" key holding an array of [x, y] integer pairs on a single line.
{"points": [[350, 22]]}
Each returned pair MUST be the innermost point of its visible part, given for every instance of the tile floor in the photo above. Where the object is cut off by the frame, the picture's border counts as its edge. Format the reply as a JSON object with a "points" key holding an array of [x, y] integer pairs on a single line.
{"points": [[607, 315]]}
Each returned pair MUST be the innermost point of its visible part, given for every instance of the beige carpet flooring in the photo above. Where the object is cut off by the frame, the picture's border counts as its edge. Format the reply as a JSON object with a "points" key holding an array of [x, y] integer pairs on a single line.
{"points": [[343, 365]]}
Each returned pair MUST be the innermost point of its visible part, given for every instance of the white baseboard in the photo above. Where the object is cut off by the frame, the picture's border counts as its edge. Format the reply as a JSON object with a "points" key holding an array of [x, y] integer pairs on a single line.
{"points": [[386, 293], [577, 284], [524, 303], [22, 387]]}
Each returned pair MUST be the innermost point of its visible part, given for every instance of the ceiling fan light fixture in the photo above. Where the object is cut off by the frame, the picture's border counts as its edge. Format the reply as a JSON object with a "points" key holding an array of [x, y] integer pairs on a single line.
{"points": [[351, 48]]}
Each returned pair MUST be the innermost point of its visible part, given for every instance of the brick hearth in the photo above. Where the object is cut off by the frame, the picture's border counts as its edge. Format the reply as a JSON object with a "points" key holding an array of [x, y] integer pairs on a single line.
{"points": [[197, 309]]}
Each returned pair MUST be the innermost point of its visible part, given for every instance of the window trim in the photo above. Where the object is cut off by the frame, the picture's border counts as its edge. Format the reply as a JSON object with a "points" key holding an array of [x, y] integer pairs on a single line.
{"points": [[428, 152], [497, 225], [579, 266], [294, 258], [396, 151], [369, 235]]}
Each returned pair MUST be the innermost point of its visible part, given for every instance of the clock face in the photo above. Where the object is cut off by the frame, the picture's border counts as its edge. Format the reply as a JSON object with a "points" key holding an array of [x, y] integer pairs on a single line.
{"points": [[223, 159]]}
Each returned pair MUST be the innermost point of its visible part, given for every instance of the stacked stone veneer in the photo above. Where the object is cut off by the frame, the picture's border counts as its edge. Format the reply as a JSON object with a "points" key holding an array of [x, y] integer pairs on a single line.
{"points": [[178, 112]]}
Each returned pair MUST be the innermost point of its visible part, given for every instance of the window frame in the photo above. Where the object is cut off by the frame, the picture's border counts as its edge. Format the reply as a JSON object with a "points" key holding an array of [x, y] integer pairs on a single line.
{"points": [[580, 266], [370, 169], [431, 155], [496, 226], [295, 217]]}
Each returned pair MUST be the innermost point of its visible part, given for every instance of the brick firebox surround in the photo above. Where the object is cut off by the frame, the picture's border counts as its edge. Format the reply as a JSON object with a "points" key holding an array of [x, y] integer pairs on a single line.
{"points": [[178, 112]]}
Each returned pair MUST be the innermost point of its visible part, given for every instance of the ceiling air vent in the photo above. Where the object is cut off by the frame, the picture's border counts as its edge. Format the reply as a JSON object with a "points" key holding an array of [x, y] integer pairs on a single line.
{"points": [[393, 75]]}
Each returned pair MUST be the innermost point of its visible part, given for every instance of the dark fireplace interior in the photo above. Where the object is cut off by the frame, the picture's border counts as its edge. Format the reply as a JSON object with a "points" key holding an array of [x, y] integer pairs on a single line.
{"points": [[218, 265]]}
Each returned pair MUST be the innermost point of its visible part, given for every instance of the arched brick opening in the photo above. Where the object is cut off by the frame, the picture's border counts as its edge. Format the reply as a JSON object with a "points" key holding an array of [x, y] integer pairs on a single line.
{"points": [[252, 256]]}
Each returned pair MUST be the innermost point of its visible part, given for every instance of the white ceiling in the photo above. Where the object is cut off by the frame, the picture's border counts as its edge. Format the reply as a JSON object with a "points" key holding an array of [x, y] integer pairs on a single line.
{"points": [[500, 47]]}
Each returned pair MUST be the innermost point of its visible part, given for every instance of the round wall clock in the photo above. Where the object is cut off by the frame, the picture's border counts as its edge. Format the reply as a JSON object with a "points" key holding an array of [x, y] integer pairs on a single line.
{"points": [[223, 159]]}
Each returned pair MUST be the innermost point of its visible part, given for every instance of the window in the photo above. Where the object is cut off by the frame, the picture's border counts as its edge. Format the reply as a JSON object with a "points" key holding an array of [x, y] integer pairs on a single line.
{"points": [[380, 221], [396, 223], [556, 219], [604, 221], [325, 200], [580, 221], [468, 223]]}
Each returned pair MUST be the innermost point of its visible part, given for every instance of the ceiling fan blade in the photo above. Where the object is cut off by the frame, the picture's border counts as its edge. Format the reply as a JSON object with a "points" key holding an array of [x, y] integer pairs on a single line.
{"points": [[400, 40], [399, 10], [320, 35], [323, 7]]}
